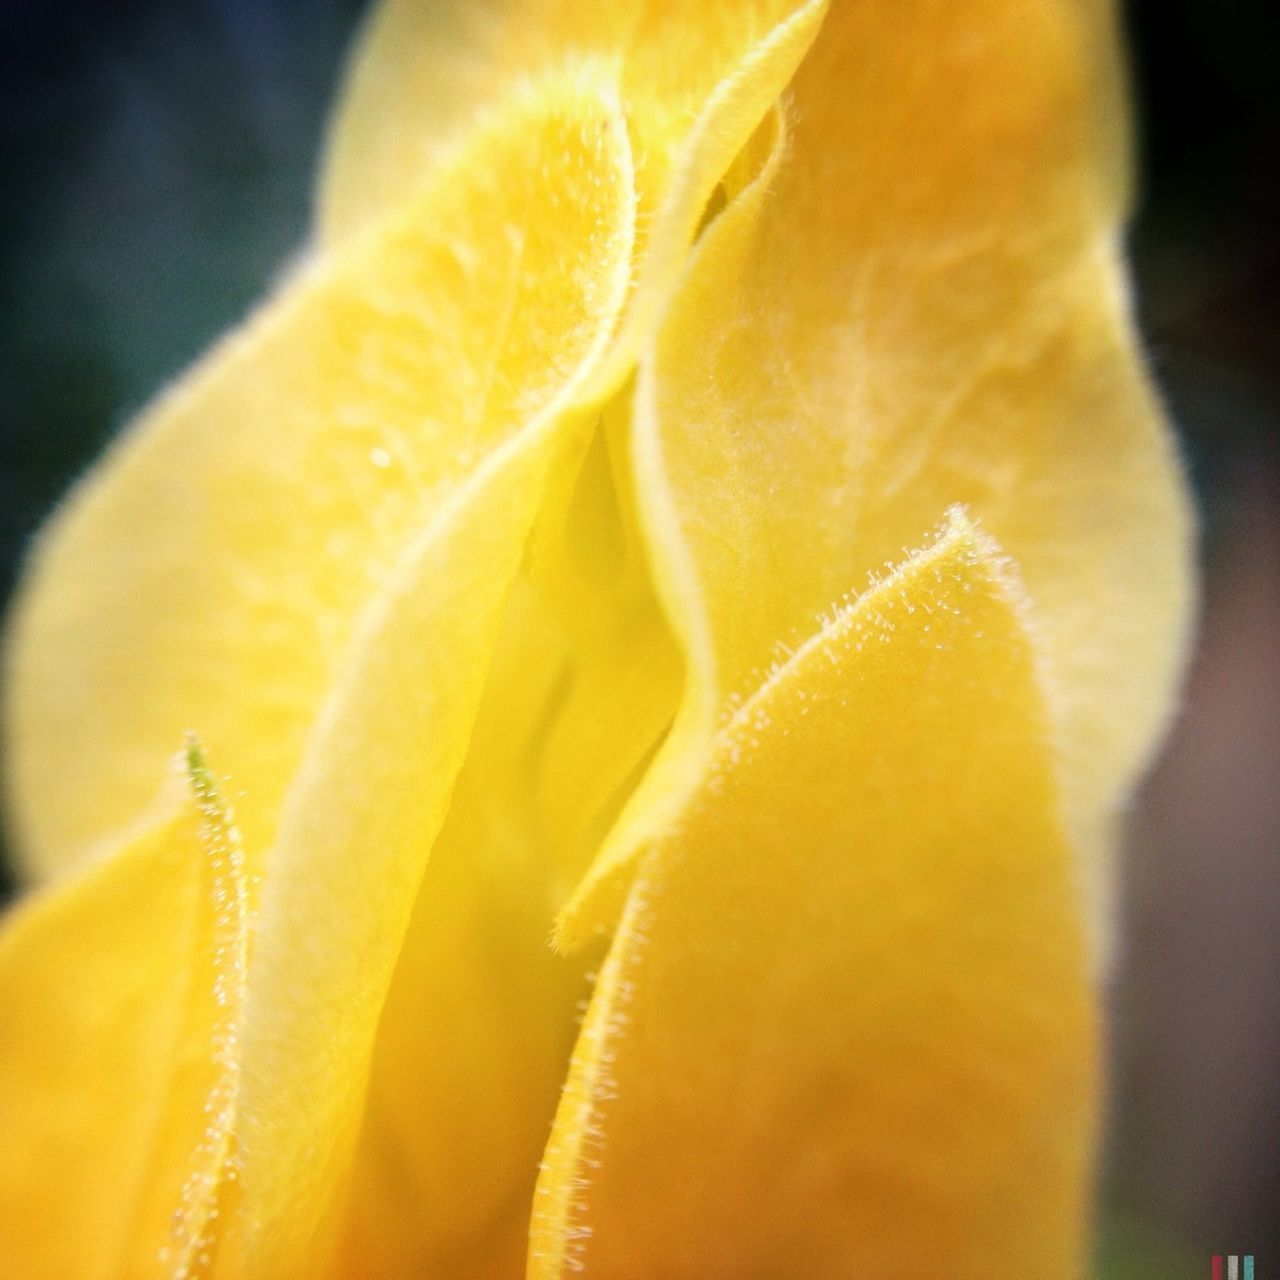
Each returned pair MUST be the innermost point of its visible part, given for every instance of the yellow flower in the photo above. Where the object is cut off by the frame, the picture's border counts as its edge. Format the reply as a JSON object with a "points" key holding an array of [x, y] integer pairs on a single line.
{"points": [[536, 562]]}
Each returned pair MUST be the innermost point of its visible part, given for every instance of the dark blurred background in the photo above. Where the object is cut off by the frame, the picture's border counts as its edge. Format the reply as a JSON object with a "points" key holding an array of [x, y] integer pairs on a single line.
{"points": [[156, 171]]}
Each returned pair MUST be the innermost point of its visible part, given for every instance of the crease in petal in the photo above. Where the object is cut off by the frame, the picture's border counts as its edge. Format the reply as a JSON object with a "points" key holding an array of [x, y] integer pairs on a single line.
{"points": [[624, 671], [928, 309], [367, 804], [211, 573], [663, 788], [696, 85], [438, 68], [741, 106], [849, 992]]}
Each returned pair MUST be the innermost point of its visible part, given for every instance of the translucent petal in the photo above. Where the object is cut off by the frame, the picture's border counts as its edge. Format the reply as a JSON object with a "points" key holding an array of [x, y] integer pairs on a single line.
{"points": [[926, 307], [846, 1016], [624, 672], [480, 1019], [120, 1004], [211, 574], [481, 1015]]}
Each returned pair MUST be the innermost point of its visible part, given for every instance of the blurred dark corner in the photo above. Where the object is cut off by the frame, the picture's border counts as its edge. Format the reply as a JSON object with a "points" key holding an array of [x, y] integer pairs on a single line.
{"points": [[156, 176]]}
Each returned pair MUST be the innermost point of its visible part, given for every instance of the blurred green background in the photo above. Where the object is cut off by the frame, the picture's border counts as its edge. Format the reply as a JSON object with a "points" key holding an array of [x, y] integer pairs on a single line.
{"points": [[156, 170]]}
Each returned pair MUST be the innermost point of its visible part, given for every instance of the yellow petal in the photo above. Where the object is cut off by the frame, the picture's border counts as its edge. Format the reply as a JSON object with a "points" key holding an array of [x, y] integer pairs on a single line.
{"points": [[696, 82], [846, 1016], [480, 1017], [624, 673], [354, 839], [120, 1002], [212, 573], [927, 309], [372, 790]]}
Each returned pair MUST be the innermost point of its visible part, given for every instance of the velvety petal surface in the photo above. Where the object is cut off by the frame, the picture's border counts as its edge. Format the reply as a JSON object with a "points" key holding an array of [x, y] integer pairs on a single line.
{"points": [[924, 305], [696, 82], [846, 1016], [374, 783], [212, 573], [121, 993]]}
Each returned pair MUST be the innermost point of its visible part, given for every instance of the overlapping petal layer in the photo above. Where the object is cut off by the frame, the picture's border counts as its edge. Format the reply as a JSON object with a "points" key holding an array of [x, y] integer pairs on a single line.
{"points": [[846, 1020], [481, 1016], [695, 86], [432, 575], [922, 307], [213, 573], [121, 996], [372, 790]]}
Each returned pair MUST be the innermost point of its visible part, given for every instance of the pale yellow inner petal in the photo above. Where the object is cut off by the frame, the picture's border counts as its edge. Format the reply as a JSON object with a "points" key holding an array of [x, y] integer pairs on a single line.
{"points": [[480, 1018]]}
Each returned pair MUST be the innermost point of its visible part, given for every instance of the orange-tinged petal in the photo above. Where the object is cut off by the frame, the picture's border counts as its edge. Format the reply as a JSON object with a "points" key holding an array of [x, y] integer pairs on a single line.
{"points": [[926, 308], [120, 1004], [211, 574], [846, 1016]]}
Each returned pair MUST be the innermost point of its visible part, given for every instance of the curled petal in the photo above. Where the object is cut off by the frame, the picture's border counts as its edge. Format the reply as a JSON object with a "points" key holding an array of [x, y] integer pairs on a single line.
{"points": [[696, 84]]}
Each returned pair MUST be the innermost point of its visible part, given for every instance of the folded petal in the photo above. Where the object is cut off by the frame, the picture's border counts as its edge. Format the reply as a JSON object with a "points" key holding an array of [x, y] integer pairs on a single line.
{"points": [[359, 824], [121, 993], [696, 81], [370, 792], [846, 1021], [925, 308], [481, 1015], [212, 573]]}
